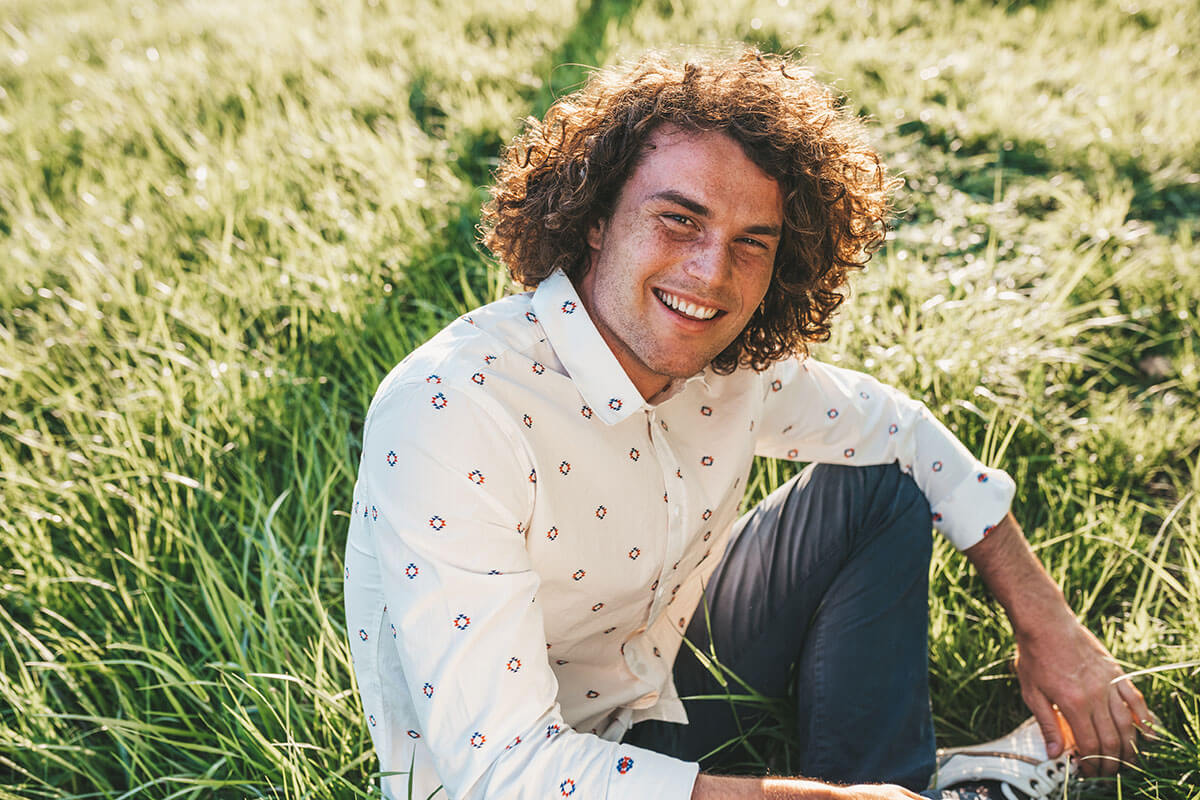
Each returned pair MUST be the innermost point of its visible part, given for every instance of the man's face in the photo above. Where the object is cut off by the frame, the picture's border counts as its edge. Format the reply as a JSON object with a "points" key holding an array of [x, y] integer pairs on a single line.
{"points": [[678, 269]]}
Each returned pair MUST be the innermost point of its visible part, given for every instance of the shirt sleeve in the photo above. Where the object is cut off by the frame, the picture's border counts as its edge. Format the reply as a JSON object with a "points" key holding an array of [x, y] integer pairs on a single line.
{"points": [[454, 489], [817, 412]]}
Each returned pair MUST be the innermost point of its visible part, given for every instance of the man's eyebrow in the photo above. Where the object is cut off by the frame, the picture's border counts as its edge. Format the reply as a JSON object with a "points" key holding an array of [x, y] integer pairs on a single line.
{"points": [[765, 230], [701, 210]]}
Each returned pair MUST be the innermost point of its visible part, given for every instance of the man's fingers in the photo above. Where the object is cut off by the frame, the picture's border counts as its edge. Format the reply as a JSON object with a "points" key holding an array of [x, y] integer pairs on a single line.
{"points": [[1114, 731], [1144, 718], [1047, 720], [1126, 726], [1109, 735], [1087, 741]]}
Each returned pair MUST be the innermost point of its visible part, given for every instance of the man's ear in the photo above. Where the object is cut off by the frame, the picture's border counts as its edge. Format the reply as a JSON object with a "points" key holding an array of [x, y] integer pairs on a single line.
{"points": [[595, 234]]}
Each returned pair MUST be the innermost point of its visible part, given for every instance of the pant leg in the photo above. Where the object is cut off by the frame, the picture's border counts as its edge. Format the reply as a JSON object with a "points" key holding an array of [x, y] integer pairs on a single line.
{"points": [[830, 573]]}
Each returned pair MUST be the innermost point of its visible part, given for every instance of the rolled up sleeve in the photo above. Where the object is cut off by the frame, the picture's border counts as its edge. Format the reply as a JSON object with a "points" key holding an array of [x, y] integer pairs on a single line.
{"points": [[818, 412]]}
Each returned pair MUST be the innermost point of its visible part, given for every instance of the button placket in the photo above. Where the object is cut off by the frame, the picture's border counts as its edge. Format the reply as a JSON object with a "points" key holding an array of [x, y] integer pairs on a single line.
{"points": [[676, 495]]}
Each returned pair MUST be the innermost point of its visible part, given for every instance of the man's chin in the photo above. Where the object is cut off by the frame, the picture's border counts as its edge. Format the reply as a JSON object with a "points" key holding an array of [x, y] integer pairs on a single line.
{"points": [[681, 369]]}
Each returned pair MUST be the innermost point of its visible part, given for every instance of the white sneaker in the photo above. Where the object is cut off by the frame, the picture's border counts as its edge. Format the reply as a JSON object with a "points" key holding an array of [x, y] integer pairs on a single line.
{"points": [[1018, 762]]}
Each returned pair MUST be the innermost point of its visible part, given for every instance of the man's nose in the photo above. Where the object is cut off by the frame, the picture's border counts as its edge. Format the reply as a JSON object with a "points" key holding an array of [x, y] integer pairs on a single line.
{"points": [[711, 262]]}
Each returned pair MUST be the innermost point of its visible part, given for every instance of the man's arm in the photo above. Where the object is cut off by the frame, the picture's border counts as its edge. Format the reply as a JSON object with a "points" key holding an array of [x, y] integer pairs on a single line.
{"points": [[724, 787], [440, 552], [1059, 662]]}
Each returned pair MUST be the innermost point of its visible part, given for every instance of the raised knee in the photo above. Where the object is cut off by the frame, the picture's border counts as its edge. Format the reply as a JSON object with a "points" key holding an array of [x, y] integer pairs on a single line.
{"points": [[891, 500]]}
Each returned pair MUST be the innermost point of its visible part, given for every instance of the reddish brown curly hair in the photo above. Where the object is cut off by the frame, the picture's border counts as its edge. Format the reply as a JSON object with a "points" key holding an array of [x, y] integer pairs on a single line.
{"points": [[564, 172]]}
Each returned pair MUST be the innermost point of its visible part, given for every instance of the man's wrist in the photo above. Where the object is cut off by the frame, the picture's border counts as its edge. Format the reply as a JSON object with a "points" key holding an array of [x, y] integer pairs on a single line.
{"points": [[1037, 618], [1041, 610]]}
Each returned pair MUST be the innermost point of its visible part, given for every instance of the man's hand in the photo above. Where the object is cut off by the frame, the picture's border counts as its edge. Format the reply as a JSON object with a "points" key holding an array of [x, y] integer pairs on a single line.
{"points": [[1063, 664], [1059, 662], [723, 787]]}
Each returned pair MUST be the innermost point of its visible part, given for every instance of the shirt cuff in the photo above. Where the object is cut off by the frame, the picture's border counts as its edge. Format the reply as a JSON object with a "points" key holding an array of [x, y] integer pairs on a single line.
{"points": [[654, 775], [974, 507]]}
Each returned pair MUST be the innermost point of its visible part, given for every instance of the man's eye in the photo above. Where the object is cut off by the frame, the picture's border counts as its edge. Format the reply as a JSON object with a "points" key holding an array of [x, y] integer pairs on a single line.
{"points": [[679, 219], [756, 243]]}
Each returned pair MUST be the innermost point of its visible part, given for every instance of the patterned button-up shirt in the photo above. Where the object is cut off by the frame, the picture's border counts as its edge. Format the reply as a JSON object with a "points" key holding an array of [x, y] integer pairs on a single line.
{"points": [[530, 538]]}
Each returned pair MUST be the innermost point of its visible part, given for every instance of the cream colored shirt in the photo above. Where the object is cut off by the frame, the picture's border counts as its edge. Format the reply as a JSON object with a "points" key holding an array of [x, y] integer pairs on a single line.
{"points": [[530, 537]]}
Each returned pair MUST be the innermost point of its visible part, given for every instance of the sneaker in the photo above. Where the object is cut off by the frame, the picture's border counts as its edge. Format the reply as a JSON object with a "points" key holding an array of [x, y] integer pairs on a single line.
{"points": [[1017, 762]]}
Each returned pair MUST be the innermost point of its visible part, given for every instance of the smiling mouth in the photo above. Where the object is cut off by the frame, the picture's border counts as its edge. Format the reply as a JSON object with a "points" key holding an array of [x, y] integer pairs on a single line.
{"points": [[684, 308]]}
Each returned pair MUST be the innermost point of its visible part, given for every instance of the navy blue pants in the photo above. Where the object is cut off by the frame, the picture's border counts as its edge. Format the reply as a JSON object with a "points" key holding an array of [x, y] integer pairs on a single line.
{"points": [[823, 592]]}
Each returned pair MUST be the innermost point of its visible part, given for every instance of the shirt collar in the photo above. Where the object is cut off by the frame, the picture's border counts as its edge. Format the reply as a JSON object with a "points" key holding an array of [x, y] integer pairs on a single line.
{"points": [[676, 386], [597, 374]]}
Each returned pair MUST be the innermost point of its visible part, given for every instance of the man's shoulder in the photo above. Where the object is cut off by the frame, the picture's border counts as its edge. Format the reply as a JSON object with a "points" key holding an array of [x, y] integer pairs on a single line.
{"points": [[466, 352]]}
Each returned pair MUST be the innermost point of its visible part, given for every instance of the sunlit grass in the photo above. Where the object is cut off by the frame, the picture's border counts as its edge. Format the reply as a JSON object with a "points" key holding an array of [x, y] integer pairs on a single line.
{"points": [[221, 223]]}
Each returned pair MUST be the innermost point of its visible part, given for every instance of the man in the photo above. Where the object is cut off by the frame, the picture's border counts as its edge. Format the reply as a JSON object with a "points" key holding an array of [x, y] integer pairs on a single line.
{"points": [[547, 500]]}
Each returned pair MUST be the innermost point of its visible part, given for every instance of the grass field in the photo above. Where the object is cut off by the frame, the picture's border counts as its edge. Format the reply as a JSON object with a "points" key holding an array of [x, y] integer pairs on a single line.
{"points": [[222, 222]]}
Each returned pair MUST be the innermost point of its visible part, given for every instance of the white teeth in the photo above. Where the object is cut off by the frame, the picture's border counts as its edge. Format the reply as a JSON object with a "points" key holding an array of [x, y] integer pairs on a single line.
{"points": [[687, 309]]}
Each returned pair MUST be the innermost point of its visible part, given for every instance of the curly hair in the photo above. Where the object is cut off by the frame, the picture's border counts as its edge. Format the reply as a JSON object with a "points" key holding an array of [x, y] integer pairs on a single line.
{"points": [[565, 172]]}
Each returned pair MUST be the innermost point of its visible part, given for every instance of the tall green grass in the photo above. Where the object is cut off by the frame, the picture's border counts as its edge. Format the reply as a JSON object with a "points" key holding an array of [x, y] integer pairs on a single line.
{"points": [[221, 223]]}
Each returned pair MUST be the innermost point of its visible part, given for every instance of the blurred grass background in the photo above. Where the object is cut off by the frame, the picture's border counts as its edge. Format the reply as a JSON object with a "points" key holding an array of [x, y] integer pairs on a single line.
{"points": [[222, 222]]}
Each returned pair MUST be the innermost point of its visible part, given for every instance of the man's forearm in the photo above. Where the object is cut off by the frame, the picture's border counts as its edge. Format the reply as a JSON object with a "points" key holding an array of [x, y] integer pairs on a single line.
{"points": [[1017, 579], [1061, 665], [725, 787]]}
